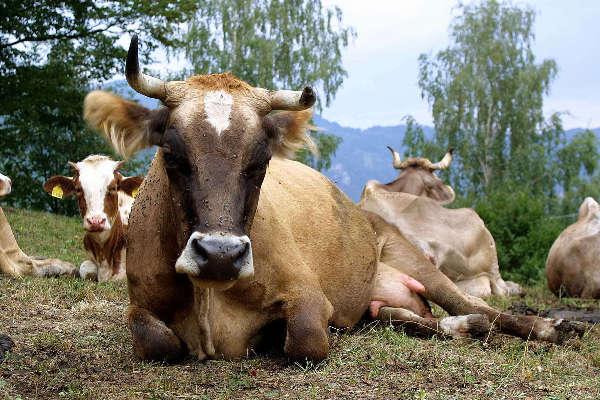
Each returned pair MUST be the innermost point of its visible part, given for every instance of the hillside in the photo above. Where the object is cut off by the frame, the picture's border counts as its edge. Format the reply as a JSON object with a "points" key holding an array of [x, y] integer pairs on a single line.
{"points": [[361, 156]]}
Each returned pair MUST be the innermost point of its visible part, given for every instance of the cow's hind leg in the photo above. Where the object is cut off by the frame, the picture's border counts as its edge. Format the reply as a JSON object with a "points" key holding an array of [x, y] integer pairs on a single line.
{"points": [[399, 253], [473, 325], [152, 338]]}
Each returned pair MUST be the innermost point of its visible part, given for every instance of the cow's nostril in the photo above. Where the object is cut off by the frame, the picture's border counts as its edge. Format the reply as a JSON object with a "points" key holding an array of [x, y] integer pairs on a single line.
{"points": [[242, 251], [199, 249]]}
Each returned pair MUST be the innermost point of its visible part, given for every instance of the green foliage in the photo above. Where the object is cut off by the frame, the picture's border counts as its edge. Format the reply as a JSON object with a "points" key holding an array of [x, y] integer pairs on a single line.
{"points": [[326, 146], [52, 53], [517, 168], [523, 231], [486, 92], [271, 44]]}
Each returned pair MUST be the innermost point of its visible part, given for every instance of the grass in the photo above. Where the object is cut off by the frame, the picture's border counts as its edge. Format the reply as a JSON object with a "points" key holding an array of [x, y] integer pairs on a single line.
{"points": [[72, 343]]}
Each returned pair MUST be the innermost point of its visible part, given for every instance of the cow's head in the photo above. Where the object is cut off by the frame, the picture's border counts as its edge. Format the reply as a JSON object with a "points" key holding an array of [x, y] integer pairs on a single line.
{"points": [[216, 135], [417, 177], [5, 185], [96, 182]]}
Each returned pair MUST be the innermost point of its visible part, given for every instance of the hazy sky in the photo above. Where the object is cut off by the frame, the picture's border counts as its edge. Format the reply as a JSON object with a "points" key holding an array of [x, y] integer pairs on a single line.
{"points": [[382, 62]]}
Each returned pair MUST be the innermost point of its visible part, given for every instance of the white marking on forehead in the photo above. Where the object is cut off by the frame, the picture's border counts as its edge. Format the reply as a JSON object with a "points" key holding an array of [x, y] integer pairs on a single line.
{"points": [[94, 176], [217, 105]]}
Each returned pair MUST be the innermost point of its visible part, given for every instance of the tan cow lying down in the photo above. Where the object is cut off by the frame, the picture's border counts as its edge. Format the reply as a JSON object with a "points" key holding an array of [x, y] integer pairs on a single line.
{"points": [[573, 265], [456, 240], [13, 261], [210, 266], [105, 199]]}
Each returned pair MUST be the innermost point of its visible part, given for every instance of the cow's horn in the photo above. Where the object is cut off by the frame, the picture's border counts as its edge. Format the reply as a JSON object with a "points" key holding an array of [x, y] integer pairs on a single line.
{"points": [[140, 82], [396, 158], [292, 100], [444, 162]]}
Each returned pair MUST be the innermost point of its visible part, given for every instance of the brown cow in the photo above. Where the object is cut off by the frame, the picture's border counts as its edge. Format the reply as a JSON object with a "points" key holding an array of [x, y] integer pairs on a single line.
{"points": [[573, 265], [456, 240], [13, 261], [105, 199], [209, 265]]}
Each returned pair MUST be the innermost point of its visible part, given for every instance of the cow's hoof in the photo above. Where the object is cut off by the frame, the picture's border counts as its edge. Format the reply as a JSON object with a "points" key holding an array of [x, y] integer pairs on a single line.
{"points": [[6, 343], [568, 329], [472, 325]]}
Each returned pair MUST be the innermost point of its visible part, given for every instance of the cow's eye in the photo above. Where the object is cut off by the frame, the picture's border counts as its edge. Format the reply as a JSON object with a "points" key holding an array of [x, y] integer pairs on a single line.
{"points": [[174, 160]]}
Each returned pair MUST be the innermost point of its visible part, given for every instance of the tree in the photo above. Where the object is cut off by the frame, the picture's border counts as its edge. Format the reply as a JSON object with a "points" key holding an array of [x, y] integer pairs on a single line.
{"points": [[486, 91], [52, 53], [271, 44], [516, 167]]}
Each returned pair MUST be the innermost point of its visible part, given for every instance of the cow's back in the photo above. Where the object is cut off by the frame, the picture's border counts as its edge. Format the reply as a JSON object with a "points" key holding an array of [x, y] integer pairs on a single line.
{"points": [[573, 264], [456, 239]]}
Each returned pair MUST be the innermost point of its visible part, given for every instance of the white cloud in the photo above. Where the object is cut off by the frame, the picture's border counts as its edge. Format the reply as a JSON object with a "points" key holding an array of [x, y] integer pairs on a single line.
{"points": [[382, 62]]}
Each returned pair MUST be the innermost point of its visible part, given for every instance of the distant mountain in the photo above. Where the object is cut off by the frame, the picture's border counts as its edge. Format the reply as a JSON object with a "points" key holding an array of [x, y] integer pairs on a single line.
{"points": [[361, 156]]}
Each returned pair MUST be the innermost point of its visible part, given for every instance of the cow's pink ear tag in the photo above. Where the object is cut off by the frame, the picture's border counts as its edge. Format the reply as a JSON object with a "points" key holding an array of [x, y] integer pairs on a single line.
{"points": [[134, 193], [57, 192]]}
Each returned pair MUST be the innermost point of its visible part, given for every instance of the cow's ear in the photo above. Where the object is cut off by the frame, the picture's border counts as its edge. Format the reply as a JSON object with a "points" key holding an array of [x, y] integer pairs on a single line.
{"points": [[443, 194], [436, 189], [288, 131], [59, 186], [130, 185], [128, 126]]}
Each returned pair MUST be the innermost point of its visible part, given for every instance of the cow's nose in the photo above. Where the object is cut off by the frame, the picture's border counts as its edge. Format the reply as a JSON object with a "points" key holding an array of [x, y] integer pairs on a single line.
{"points": [[220, 257], [96, 223]]}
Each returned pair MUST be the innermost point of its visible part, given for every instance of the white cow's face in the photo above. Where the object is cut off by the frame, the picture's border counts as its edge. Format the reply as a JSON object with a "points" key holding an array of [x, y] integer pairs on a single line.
{"points": [[5, 185], [95, 184]]}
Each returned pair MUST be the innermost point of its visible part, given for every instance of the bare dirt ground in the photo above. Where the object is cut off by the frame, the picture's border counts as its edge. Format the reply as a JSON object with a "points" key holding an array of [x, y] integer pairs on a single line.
{"points": [[71, 342]]}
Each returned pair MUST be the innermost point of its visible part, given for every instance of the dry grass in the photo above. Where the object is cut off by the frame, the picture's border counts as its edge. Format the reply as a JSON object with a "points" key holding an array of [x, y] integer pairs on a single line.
{"points": [[71, 343]]}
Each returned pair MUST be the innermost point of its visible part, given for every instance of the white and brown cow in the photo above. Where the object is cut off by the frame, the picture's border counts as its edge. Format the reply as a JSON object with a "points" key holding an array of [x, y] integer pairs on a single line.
{"points": [[105, 198], [455, 240], [227, 237], [13, 261], [573, 265]]}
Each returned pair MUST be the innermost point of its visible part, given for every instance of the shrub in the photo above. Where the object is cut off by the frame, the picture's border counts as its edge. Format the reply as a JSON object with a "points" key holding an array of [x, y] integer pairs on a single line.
{"points": [[523, 230]]}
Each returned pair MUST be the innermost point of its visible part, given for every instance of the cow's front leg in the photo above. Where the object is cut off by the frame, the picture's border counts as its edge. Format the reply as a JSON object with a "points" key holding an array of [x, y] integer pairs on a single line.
{"points": [[307, 320], [88, 270], [152, 338]]}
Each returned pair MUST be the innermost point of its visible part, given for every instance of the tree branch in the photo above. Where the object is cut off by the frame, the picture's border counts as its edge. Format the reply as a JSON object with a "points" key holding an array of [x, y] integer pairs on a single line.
{"points": [[62, 36]]}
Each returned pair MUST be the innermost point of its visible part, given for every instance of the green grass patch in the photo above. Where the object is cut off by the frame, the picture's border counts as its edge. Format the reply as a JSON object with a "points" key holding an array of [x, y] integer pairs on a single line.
{"points": [[72, 343]]}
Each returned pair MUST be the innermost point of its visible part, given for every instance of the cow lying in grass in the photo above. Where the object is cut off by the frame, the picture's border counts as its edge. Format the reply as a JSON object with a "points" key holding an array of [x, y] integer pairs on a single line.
{"points": [[13, 261], [105, 198], [455, 240], [227, 237], [573, 265]]}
